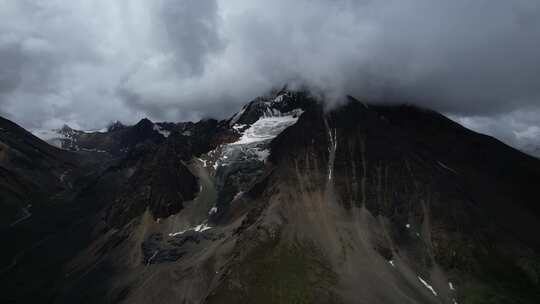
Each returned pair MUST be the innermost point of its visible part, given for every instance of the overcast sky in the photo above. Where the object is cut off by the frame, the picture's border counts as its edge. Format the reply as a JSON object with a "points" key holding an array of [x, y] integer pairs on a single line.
{"points": [[89, 62]]}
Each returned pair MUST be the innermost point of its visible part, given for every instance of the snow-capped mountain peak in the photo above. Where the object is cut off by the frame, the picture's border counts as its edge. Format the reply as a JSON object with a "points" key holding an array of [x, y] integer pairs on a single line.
{"points": [[282, 103]]}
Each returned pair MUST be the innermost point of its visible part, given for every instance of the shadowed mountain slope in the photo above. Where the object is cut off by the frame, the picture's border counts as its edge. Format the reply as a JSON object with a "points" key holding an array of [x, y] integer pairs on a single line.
{"points": [[288, 203]]}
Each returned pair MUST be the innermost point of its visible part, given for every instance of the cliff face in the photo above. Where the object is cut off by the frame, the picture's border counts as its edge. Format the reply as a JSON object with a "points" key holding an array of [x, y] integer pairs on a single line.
{"points": [[288, 203]]}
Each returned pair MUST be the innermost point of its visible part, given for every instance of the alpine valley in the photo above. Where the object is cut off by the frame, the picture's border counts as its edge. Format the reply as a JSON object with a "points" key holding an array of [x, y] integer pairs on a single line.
{"points": [[285, 202]]}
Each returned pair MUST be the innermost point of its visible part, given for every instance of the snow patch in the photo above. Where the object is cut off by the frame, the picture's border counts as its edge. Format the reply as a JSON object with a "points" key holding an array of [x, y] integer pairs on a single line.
{"points": [[213, 210], [63, 176], [237, 196], [332, 152], [152, 257], [179, 232], [237, 116], [25, 215], [446, 167], [252, 146], [408, 226], [428, 286], [199, 228], [202, 161], [216, 165], [391, 262], [92, 150], [451, 286], [254, 139], [103, 130], [262, 154], [271, 112], [239, 127], [266, 128], [279, 98]]}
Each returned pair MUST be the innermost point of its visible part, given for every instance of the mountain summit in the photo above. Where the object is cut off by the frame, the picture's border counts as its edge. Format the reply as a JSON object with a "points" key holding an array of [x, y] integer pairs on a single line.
{"points": [[284, 202]]}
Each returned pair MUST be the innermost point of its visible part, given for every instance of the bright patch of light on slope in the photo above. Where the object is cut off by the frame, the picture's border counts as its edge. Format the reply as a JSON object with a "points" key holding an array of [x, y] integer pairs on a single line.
{"points": [[213, 210], [428, 286], [451, 286]]}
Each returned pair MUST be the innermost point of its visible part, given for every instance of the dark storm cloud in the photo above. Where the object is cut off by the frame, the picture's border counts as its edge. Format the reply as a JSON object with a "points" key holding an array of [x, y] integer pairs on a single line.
{"points": [[191, 30], [469, 56], [90, 62]]}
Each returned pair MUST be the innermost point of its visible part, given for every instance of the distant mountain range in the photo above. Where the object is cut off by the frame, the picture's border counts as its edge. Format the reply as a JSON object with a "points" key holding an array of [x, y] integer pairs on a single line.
{"points": [[284, 202]]}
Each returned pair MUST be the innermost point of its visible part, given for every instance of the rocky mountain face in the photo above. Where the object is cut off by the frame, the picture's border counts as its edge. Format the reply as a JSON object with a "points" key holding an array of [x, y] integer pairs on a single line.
{"points": [[285, 202]]}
